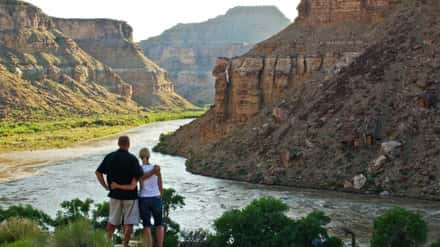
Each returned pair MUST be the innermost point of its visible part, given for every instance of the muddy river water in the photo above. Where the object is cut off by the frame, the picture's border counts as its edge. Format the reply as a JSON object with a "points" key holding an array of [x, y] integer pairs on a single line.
{"points": [[69, 173]]}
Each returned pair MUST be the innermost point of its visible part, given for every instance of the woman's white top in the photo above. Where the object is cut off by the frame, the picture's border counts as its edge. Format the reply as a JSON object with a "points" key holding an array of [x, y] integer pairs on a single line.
{"points": [[150, 186]]}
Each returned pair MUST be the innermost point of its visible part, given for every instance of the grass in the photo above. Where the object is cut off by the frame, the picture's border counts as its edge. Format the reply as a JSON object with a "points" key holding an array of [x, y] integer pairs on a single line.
{"points": [[59, 133]]}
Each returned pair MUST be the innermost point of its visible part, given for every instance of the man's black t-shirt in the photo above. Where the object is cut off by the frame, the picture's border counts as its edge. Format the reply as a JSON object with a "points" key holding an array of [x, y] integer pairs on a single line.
{"points": [[121, 167]]}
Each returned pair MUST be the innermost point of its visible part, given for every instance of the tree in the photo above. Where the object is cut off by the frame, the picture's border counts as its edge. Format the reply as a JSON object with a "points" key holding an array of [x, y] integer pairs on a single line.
{"points": [[259, 224], [73, 210], [399, 227], [263, 223], [310, 231]]}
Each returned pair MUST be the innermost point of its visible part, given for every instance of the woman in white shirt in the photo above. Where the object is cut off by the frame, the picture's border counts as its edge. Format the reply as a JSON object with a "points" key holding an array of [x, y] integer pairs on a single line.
{"points": [[150, 198]]}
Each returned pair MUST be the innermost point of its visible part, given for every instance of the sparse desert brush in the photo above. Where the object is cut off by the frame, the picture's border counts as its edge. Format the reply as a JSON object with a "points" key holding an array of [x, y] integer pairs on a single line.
{"points": [[79, 233], [22, 230]]}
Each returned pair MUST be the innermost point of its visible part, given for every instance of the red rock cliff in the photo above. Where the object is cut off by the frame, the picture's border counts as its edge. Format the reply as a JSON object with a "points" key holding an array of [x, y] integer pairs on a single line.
{"points": [[110, 41], [326, 36]]}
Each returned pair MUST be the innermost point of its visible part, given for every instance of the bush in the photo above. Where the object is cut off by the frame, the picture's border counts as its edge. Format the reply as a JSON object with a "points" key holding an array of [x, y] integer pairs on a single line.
{"points": [[73, 210], [79, 233], [27, 212], [100, 215], [399, 227], [264, 223], [259, 224], [436, 244], [19, 231], [310, 231]]}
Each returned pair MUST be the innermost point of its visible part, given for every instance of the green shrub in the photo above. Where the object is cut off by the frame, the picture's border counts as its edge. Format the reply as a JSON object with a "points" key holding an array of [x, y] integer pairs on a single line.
{"points": [[16, 229], [24, 243], [263, 223], [171, 201], [73, 210], [309, 231], [399, 227], [100, 215], [79, 233], [436, 244], [259, 224], [27, 212]]}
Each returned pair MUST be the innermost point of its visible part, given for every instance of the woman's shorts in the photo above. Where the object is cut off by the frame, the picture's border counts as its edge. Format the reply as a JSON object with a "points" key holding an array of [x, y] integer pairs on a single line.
{"points": [[151, 206]]}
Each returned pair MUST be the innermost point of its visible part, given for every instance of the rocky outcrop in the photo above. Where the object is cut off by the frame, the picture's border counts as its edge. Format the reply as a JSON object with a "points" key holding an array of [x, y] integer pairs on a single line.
{"points": [[110, 41], [370, 126], [308, 48], [189, 51], [43, 69]]}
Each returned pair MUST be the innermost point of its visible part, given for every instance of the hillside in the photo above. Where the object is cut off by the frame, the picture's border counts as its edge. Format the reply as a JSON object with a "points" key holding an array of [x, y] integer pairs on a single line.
{"points": [[189, 51], [46, 70], [370, 126]]}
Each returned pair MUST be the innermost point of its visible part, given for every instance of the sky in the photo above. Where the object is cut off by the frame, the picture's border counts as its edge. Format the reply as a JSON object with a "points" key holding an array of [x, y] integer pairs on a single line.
{"points": [[151, 17]]}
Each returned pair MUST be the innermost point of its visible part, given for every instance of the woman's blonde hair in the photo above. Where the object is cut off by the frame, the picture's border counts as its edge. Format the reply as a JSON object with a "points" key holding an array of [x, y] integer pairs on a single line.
{"points": [[144, 153]]}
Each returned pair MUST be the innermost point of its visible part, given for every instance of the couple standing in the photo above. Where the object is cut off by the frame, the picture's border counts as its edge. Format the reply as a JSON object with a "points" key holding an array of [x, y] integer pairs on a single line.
{"points": [[127, 205]]}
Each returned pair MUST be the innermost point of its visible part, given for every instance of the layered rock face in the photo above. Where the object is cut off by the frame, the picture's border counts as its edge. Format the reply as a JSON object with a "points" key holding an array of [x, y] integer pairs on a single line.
{"points": [[43, 69], [331, 11], [370, 126], [312, 46], [189, 51], [111, 42]]}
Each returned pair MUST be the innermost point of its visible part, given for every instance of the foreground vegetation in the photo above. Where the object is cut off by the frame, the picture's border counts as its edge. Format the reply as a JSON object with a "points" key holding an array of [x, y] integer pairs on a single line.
{"points": [[58, 133], [262, 223]]}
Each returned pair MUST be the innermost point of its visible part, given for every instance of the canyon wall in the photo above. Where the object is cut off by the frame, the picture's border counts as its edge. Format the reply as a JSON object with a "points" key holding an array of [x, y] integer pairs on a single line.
{"points": [[189, 51], [346, 103], [316, 45], [44, 69], [110, 41]]}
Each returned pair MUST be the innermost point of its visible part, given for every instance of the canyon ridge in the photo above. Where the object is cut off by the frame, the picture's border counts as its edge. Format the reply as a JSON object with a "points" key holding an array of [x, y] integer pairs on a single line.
{"points": [[345, 98], [63, 66]]}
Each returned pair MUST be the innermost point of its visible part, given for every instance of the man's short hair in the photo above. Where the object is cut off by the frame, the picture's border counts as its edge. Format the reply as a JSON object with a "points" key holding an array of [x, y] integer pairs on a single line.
{"points": [[124, 141]]}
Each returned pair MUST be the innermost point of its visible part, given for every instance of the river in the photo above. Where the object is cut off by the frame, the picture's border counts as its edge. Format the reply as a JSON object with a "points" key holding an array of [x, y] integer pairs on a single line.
{"points": [[69, 173]]}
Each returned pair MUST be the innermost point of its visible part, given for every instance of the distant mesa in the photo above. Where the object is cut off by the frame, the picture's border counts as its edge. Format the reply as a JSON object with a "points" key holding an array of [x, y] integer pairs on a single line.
{"points": [[189, 51]]}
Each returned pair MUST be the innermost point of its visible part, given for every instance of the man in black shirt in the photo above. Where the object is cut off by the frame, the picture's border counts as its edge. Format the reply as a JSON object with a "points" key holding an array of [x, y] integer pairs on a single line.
{"points": [[121, 167]]}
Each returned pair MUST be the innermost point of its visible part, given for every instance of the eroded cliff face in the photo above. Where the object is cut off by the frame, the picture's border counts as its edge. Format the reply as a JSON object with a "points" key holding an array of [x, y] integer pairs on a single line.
{"points": [[295, 111], [35, 57], [189, 51], [371, 128], [326, 36], [318, 12], [110, 41]]}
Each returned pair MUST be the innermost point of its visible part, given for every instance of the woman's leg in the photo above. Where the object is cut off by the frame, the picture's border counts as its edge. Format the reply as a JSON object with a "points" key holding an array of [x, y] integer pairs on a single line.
{"points": [[160, 235], [148, 239], [158, 220], [145, 212]]}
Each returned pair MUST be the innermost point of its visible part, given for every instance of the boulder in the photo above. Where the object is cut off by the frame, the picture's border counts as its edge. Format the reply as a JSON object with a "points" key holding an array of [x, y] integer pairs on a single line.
{"points": [[377, 165], [391, 149], [359, 181]]}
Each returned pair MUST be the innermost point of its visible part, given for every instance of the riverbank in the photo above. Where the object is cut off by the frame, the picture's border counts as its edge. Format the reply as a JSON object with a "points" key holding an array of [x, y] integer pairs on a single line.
{"points": [[65, 132], [16, 165]]}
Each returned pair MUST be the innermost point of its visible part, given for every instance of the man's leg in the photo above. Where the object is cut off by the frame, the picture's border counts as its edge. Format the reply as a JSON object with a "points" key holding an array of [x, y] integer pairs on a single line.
{"points": [[128, 230], [115, 217], [148, 239], [131, 217], [159, 236], [110, 231]]}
